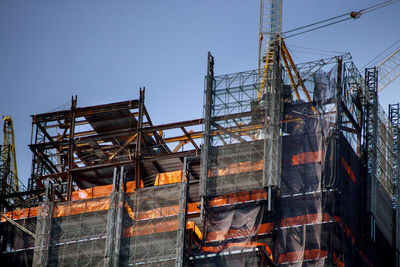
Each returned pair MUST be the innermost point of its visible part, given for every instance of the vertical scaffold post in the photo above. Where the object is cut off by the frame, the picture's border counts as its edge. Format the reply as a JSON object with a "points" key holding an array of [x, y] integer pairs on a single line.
{"points": [[394, 116], [206, 135], [139, 138], [371, 129], [180, 248], [43, 230], [114, 221], [71, 146]]}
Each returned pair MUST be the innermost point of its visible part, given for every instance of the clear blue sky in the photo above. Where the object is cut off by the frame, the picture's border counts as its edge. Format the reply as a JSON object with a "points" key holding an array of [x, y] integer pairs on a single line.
{"points": [[103, 51]]}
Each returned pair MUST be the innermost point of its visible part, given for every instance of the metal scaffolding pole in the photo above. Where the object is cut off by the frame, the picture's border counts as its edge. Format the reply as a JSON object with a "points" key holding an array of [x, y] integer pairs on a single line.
{"points": [[180, 248], [206, 135], [71, 146], [114, 223], [371, 121], [394, 116], [43, 230]]}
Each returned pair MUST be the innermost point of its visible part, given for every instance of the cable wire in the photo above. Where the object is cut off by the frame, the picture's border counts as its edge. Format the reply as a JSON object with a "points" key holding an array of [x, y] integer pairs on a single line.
{"points": [[319, 27], [317, 49], [378, 56], [316, 23], [351, 15]]}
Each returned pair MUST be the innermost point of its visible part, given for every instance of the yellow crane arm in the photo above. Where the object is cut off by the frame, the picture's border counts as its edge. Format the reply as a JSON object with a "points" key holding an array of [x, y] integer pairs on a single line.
{"points": [[9, 142], [287, 60]]}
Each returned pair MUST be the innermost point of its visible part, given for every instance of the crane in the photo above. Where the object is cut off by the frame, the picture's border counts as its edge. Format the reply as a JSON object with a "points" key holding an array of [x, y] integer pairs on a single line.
{"points": [[388, 69], [8, 161], [270, 36]]}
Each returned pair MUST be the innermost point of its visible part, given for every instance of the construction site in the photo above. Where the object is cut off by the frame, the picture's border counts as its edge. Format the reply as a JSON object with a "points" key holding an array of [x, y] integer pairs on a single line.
{"points": [[292, 164]]}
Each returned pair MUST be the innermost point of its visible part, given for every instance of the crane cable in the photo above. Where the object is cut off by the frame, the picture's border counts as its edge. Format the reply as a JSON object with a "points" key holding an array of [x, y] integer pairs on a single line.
{"points": [[383, 52], [351, 15]]}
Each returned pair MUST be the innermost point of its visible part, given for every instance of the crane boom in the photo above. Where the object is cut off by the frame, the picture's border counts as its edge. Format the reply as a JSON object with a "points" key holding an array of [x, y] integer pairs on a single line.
{"points": [[389, 69]]}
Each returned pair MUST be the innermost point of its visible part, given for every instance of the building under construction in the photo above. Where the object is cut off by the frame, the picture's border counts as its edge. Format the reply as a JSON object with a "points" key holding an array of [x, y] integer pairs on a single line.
{"points": [[292, 165]]}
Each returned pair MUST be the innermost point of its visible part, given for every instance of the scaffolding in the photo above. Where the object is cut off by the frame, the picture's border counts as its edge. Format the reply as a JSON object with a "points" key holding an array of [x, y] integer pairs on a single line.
{"points": [[282, 177]]}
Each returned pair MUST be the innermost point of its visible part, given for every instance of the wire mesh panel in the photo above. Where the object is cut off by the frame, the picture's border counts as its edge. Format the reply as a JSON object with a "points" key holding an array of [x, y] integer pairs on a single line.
{"points": [[78, 236], [151, 225], [237, 134], [235, 197]]}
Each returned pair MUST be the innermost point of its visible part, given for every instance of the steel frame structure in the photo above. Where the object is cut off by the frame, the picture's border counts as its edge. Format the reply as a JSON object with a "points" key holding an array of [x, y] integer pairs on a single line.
{"points": [[79, 145], [118, 143]]}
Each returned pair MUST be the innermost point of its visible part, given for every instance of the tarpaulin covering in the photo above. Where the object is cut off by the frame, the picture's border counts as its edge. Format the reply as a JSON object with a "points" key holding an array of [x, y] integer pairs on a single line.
{"points": [[81, 207], [168, 178], [159, 227], [239, 167], [305, 154], [318, 210], [235, 223], [74, 208], [319, 207], [240, 197], [21, 213], [100, 191]]}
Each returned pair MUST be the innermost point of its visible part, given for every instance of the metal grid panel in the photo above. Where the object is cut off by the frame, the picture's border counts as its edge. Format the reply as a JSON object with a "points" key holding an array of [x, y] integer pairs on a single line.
{"points": [[78, 239], [238, 131], [152, 240]]}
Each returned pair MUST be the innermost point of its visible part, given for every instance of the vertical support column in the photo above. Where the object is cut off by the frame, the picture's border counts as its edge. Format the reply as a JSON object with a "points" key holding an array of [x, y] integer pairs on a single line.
{"points": [[337, 152], [35, 163], [43, 230], [71, 146], [371, 129], [273, 108], [338, 118], [139, 138], [114, 221], [181, 238], [206, 136], [339, 92]]}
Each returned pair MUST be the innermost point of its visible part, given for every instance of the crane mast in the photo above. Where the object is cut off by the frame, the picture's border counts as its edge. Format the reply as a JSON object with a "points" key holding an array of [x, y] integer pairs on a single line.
{"points": [[8, 160], [270, 27], [269, 97]]}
